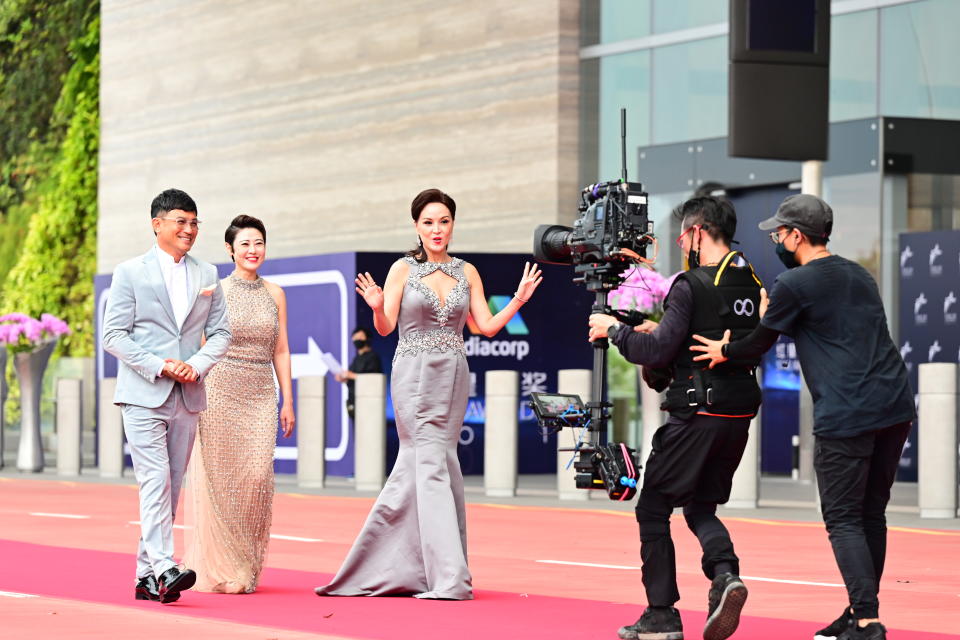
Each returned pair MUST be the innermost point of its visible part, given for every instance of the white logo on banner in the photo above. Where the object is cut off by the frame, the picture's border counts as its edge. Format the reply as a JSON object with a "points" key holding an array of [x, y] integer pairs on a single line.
{"points": [[905, 352], [919, 318], [743, 307], [905, 255], [949, 301], [934, 350], [936, 252]]}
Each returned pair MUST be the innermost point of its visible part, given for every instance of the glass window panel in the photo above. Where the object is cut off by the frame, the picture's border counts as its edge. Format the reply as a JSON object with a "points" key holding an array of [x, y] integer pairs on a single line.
{"points": [[855, 200], [624, 20], [690, 91], [853, 66], [933, 202], [624, 82], [919, 74], [672, 15]]}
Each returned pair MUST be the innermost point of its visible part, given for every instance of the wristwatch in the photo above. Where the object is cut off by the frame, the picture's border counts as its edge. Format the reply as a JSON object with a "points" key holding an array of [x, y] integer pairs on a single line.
{"points": [[613, 329]]}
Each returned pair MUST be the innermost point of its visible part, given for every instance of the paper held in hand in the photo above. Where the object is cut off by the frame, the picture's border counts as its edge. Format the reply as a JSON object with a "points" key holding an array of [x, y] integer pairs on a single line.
{"points": [[333, 365]]}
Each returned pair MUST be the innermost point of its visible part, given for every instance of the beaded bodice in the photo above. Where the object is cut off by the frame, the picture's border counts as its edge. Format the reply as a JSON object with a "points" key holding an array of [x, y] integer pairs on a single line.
{"points": [[253, 321], [427, 323]]}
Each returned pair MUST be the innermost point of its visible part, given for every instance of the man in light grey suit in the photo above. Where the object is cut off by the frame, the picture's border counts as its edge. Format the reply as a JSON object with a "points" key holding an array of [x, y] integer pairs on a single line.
{"points": [[159, 308]]}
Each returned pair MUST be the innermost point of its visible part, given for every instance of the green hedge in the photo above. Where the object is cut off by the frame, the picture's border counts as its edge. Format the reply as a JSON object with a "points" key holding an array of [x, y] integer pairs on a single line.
{"points": [[48, 189], [54, 273]]}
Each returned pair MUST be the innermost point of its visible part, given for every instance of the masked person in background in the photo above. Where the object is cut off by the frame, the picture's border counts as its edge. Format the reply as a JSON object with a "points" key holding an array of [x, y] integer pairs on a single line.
{"points": [[366, 361], [696, 452]]}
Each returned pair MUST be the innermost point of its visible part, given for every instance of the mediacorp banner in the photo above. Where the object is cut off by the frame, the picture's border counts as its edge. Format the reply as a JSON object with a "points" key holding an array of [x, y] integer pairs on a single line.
{"points": [[929, 310], [547, 335]]}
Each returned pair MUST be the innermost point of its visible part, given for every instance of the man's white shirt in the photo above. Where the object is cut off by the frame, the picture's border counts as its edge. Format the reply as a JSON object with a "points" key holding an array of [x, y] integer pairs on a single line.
{"points": [[177, 280]]}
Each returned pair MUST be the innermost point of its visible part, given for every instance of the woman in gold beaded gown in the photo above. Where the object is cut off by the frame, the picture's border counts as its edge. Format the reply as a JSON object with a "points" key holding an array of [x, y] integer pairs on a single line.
{"points": [[414, 542], [231, 472]]}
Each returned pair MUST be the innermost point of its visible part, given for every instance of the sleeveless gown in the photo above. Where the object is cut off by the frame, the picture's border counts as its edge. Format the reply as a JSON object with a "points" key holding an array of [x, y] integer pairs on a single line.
{"points": [[414, 541], [231, 473]]}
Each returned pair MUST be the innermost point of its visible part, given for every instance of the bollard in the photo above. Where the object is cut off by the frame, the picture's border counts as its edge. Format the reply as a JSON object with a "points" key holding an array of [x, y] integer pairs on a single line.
{"points": [[937, 451], [69, 425], [745, 491], [311, 431], [500, 433], [652, 418], [805, 454], [109, 432], [571, 381], [370, 447]]}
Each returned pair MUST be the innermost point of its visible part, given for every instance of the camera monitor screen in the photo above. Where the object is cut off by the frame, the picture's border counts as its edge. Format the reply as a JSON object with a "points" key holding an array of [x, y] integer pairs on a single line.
{"points": [[553, 405]]}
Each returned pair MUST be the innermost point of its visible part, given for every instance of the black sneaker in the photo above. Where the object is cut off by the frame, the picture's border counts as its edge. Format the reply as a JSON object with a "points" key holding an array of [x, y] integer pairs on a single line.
{"points": [[833, 630], [724, 602], [873, 631], [656, 623]]}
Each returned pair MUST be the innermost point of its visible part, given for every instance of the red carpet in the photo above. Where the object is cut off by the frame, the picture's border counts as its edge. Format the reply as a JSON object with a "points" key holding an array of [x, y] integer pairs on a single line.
{"points": [[286, 600]]}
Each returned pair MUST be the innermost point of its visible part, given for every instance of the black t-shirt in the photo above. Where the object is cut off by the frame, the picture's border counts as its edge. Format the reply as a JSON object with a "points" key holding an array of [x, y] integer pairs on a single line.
{"points": [[368, 362], [832, 309]]}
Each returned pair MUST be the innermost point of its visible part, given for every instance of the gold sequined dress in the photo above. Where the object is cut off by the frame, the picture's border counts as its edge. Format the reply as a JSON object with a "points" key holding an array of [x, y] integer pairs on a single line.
{"points": [[231, 471]]}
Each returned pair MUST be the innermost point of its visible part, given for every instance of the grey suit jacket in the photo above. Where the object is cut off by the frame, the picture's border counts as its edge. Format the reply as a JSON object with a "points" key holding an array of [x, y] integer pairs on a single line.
{"points": [[140, 330]]}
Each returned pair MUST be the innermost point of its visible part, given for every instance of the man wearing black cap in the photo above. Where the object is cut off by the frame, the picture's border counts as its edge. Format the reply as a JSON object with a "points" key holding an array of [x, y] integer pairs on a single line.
{"points": [[862, 402]]}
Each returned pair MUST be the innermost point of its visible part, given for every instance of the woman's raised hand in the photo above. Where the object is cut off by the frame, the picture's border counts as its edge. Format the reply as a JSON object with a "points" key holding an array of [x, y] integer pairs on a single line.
{"points": [[532, 277], [372, 294]]}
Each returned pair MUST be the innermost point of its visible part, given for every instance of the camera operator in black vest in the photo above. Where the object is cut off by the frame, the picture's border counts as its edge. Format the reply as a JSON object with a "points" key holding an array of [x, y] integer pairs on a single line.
{"points": [[696, 452]]}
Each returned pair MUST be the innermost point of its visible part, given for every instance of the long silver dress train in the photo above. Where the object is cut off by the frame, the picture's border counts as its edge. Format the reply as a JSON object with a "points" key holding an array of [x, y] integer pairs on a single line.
{"points": [[414, 541]]}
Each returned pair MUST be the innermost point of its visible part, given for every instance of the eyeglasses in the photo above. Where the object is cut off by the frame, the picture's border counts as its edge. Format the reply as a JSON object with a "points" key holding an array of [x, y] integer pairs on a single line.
{"points": [[775, 235], [183, 223], [688, 230]]}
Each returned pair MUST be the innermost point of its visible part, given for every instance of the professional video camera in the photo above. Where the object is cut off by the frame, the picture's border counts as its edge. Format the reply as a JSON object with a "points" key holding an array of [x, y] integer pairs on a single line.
{"points": [[610, 236]]}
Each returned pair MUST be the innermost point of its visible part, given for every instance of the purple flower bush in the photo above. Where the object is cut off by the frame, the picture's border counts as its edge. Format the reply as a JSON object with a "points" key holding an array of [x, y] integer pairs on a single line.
{"points": [[643, 290], [20, 332]]}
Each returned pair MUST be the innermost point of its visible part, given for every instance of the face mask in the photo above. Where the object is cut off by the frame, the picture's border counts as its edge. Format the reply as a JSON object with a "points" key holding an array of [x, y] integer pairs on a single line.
{"points": [[788, 258], [359, 344]]}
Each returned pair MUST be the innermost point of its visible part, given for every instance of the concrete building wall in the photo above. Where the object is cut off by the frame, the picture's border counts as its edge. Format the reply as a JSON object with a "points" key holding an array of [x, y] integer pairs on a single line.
{"points": [[325, 118]]}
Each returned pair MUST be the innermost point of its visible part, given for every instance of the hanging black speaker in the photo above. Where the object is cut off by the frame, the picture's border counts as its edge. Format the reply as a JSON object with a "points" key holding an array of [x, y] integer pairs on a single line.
{"points": [[779, 79]]}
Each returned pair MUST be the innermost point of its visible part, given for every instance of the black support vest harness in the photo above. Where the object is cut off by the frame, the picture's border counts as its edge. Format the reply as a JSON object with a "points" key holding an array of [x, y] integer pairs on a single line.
{"points": [[724, 297]]}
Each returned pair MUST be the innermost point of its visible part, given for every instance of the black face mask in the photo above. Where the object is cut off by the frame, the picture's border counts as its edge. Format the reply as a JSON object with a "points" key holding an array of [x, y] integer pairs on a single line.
{"points": [[359, 344], [693, 257], [788, 258]]}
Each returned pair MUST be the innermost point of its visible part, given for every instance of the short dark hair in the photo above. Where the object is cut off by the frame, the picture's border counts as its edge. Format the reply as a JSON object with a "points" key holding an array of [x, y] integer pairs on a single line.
{"points": [[243, 222], [814, 241], [421, 200], [715, 215], [364, 330], [170, 200]]}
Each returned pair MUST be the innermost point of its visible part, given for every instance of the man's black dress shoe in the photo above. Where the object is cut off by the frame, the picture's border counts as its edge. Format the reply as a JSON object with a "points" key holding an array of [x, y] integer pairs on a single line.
{"points": [[173, 581], [148, 589]]}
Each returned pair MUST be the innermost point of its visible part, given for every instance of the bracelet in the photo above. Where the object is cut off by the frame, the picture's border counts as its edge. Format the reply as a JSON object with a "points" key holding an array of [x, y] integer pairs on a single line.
{"points": [[519, 298], [723, 349]]}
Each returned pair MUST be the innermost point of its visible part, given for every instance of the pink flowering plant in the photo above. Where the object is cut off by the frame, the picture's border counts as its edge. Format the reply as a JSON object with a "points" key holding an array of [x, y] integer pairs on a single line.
{"points": [[643, 290], [20, 332]]}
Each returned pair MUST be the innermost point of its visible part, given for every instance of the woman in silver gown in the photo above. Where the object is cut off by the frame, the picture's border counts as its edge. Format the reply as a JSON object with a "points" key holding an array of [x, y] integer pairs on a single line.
{"points": [[414, 541]]}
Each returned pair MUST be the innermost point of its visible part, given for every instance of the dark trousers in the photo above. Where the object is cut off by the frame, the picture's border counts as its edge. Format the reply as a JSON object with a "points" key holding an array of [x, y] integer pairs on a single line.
{"points": [[690, 465], [854, 476]]}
